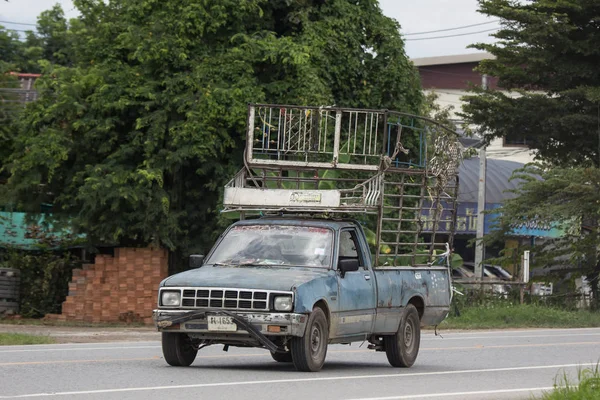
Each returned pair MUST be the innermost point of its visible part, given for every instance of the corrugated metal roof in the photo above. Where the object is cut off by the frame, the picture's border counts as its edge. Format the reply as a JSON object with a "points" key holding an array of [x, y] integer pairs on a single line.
{"points": [[497, 180]]}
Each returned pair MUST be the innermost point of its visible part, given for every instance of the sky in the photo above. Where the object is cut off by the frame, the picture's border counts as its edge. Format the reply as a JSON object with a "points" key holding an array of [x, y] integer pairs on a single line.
{"points": [[414, 16]]}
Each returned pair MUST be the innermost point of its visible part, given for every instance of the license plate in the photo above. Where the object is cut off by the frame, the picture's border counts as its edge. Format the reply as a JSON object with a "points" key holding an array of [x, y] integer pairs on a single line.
{"points": [[222, 324]]}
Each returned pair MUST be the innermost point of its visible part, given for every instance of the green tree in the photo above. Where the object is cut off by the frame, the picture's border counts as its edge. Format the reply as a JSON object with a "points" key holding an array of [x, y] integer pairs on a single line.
{"points": [[566, 199], [51, 41], [10, 49], [547, 55], [52, 36], [546, 61], [9, 110], [135, 140]]}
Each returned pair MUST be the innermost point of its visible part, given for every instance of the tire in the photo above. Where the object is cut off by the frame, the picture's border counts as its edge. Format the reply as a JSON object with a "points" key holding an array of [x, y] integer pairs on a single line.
{"points": [[282, 357], [177, 349], [402, 348], [309, 352]]}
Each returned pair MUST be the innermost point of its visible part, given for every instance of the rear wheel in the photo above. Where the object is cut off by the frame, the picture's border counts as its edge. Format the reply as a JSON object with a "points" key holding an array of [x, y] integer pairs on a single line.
{"points": [[403, 347], [309, 352], [178, 349], [282, 357]]}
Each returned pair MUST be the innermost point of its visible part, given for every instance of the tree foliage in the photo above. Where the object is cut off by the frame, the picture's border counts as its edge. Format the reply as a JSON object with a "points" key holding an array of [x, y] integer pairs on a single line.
{"points": [[9, 111], [566, 199], [45, 277], [49, 41], [133, 141], [547, 54], [546, 62]]}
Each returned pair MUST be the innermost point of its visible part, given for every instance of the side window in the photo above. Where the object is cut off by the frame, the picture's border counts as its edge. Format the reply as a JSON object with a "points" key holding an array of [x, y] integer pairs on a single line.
{"points": [[349, 247]]}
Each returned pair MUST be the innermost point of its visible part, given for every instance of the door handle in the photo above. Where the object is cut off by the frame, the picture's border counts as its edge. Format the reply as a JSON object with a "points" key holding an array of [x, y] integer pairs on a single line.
{"points": [[368, 277]]}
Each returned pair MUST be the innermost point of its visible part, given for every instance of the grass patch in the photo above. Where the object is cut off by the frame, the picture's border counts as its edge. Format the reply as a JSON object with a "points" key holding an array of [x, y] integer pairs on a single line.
{"points": [[588, 387], [11, 339], [497, 316]]}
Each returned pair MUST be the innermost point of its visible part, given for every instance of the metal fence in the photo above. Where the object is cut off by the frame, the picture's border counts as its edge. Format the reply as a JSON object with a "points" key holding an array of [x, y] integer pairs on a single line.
{"points": [[10, 280]]}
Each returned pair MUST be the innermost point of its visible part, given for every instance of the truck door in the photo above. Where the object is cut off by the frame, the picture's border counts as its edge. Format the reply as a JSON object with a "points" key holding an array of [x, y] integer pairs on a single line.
{"points": [[357, 289]]}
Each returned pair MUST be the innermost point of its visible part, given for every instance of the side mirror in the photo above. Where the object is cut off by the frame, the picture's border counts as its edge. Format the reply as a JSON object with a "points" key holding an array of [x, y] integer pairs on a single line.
{"points": [[196, 260], [347, 265]]}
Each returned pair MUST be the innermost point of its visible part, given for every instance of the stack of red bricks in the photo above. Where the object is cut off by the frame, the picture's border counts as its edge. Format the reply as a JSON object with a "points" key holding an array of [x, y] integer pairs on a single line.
{"points": [[123, 288]]}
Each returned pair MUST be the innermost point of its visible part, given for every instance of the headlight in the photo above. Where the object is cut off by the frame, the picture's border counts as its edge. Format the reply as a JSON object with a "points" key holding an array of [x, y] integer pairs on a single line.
{"points": [[283, 303], [170, 298]]}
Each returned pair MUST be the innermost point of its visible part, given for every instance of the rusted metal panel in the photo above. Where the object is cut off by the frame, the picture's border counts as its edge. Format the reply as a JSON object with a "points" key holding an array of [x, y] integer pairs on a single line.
{"points": [[324, 288], [397, 286]]}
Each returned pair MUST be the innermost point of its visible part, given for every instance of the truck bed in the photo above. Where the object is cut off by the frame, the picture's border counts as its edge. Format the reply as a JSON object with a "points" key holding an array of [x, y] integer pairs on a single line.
{"points": [[397, 285]]}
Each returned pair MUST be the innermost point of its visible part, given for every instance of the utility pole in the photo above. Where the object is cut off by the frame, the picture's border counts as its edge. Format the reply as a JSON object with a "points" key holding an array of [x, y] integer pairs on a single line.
{"points": [[598, 133], [479, 249]]}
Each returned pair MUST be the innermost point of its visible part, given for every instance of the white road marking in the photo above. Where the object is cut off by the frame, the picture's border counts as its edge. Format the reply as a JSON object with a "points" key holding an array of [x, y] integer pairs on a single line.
{"points": [[79, 349], [297, 380], [505, 337], [110, 343], [455, 394], [503, 332]]}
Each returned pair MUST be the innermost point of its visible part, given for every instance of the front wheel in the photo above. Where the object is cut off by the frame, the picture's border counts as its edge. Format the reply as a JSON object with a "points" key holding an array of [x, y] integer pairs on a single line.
{"points": [[309, 352], [178, 349], [402, 348]]}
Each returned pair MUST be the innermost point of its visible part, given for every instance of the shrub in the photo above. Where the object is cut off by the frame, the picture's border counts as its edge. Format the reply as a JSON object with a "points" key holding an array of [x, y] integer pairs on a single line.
{"points": [[45, 277], [588, 387]]}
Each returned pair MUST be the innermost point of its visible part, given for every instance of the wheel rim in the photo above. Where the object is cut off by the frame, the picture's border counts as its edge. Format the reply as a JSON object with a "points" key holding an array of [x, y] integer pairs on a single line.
{"points": [[315, 340], [408, 335], [186, 346]]}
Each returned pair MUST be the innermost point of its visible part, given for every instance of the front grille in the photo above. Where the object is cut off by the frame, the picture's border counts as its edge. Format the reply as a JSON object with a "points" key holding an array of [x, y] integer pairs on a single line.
{"points": [[260, 295], [201, 302], [229, 299], [260, 304], [245, 304], [187, 302], [230, 303]]}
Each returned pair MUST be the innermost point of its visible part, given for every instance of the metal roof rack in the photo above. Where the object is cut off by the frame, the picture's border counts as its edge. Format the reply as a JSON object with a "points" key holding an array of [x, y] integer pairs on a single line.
{"points": [[330, 160]]}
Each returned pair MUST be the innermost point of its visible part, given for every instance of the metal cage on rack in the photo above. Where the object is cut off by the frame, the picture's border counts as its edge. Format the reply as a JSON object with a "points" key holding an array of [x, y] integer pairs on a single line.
{"points": [[398, 167]]}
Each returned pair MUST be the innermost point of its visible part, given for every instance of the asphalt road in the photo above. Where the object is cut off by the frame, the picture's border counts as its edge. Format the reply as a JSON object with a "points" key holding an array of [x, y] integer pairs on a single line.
{"points": [[461, 365]]}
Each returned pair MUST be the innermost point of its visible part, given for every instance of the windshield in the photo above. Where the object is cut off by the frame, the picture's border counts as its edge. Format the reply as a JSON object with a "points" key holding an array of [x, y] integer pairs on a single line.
{"points": [[275, 245]]}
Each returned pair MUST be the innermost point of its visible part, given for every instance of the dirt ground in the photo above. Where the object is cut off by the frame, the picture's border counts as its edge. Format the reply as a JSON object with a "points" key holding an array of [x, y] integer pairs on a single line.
{"points": [[70, 334]]}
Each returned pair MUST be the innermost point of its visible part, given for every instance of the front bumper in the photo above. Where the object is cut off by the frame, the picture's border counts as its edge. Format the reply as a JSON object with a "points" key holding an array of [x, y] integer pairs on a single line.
{"points": [[256, 324]]}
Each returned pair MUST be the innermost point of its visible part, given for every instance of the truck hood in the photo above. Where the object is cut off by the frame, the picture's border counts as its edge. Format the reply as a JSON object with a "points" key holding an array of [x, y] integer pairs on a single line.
{"points": [[266, 278]]}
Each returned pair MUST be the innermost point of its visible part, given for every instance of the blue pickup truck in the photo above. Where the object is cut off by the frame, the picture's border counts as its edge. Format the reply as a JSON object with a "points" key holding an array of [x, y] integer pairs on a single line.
{"points": [[293, 286], [297, 271]]}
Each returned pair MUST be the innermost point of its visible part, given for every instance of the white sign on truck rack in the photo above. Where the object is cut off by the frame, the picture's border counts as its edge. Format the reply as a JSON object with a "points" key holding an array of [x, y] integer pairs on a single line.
{"points": [[236, 196]]}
